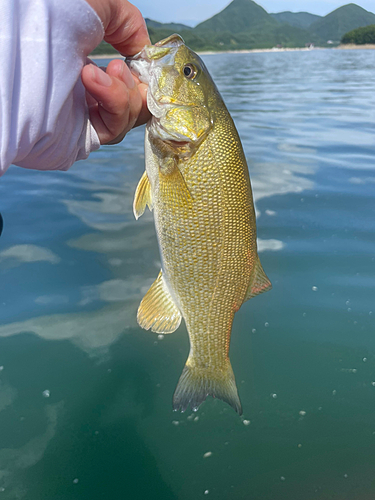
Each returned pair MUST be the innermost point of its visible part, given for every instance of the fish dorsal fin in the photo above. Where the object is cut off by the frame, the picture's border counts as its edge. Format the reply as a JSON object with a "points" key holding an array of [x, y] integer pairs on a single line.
{"points": [[142, 196], [158, 310], [259, 283]]}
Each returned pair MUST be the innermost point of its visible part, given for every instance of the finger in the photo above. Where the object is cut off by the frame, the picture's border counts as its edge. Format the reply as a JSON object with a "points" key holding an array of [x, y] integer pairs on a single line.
{"points": [[111, 115], [144, 114], [117, 68], [127, 31], [91, 101], [120, 102]]}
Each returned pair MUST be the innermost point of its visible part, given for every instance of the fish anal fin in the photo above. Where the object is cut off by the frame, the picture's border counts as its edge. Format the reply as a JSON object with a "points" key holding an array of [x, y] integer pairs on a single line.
{"points": [[259, 283], [142, 196], [157, 311], [196, 384]]}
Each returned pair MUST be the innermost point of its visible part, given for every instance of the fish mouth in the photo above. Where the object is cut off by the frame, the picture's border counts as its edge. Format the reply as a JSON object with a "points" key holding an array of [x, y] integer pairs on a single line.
{"points": [[143, 66], [141, 63], [140, 66], [147, 66]]}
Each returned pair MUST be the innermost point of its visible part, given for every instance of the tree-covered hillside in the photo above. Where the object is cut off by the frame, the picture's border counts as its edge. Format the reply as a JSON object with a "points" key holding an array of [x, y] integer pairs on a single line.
{"points": [[340, 21], [298, 19], [360, 36], [239, 16], [170, 26], [244, 24]]}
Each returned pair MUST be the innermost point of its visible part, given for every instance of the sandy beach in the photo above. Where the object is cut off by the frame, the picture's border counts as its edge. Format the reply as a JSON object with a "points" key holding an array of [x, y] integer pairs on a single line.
{"points": [[351, 46]]}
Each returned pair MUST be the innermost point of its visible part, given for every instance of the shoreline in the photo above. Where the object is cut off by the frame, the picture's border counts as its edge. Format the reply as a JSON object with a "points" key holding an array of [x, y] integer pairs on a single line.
{"points": [[249, 51], [353, 46], [210, 52]]}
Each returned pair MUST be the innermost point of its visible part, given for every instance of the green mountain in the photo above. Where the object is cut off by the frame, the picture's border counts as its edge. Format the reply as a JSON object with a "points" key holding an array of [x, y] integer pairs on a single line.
{"points": [[360, 36], [239, 16], [168, 26], [103, 48], [340, 21], [243, 24], [298, 19]]}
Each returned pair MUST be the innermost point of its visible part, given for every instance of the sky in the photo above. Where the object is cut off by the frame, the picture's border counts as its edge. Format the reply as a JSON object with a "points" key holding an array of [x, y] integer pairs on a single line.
{"points": [[192, 12]]}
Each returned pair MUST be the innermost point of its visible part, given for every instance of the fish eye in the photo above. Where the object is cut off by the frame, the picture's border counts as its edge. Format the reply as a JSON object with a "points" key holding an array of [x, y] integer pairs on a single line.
{"points": [[190, 71]]}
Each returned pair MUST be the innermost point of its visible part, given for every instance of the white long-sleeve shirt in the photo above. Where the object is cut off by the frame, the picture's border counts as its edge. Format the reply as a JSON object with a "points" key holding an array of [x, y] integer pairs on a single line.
{"points": [[44, 120]]}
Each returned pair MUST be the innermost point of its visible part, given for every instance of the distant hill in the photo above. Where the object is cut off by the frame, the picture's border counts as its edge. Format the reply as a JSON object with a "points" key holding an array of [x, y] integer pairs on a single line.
{"points": [[244, 24], [239, 16], [360, 36], [104, 48], [297, 19], [168, 26], [340, 21]]}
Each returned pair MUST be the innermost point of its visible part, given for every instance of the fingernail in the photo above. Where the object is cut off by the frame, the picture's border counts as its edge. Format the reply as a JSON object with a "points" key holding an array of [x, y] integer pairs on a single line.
{"points": [[128, 77], [100, 76]]}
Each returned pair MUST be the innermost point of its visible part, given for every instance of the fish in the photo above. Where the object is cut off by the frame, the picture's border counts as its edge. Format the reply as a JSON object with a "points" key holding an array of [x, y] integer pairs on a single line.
{"points": [[197, 183]]}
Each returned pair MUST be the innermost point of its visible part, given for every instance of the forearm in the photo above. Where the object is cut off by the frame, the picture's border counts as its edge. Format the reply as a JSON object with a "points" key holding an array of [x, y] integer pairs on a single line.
{"points": [[43, 46]]}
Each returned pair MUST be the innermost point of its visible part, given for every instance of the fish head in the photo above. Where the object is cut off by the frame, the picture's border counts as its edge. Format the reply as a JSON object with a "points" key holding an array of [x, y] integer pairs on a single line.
{"points": [[179, 92]]}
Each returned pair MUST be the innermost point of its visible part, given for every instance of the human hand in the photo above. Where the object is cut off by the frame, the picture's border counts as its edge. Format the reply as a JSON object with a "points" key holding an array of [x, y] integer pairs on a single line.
{"points": [[116, 98]]}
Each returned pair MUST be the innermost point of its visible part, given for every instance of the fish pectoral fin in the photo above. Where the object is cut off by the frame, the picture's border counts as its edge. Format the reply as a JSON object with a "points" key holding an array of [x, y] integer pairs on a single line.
{"points": [[173, 187], [259, 284], [142, 196], [158, 310]]}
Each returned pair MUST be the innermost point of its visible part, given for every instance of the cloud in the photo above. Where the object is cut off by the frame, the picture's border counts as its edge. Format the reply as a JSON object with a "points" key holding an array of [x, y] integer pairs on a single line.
{"points": [[44, 300], [108, 212], [269, 179], [116, 290], [113, 243], [362, 180], [273, 245], [19, 254], [93, 332]]}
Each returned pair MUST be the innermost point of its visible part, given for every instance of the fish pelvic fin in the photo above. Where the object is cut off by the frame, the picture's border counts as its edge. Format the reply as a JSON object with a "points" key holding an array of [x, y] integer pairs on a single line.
{"points": [[157, 311], [259, 282], [142, 196], [196, 384]]}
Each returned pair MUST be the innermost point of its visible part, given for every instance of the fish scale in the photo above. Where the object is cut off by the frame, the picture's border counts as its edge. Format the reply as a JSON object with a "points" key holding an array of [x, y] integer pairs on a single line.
{"points": [[197, 183]]}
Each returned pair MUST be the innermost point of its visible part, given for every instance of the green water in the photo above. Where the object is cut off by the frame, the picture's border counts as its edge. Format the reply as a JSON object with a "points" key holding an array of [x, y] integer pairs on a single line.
{"points": [[85, 394]]}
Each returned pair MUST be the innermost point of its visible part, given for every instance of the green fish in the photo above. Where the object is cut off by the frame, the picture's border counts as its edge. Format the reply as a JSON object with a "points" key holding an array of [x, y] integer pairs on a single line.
{"points": [[197, 183]]}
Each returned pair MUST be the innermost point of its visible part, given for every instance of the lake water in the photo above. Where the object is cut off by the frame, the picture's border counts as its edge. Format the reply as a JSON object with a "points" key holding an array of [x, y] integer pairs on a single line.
{"points": [[85, 394]]}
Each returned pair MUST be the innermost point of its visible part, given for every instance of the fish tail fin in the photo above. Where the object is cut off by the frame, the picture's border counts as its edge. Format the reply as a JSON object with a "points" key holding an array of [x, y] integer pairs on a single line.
{"points": [[196, 384]]}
